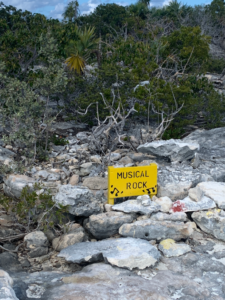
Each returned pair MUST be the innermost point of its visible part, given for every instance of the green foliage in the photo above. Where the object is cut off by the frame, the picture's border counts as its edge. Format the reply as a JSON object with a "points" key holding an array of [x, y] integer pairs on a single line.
{"points": [[58, 141], [33, 210], [71, 12]]}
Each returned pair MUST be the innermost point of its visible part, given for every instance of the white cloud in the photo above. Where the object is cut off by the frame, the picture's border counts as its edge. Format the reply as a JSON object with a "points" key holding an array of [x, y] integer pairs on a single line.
{"points": [[56, 13]]}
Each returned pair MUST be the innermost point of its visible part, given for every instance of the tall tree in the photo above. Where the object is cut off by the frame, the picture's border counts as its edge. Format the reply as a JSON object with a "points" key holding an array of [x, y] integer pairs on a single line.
{"points": [[71, 12]]}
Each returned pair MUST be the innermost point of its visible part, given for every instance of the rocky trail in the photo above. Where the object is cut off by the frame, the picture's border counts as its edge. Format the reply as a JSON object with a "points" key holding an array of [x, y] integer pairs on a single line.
{"points": [[169, 246]]}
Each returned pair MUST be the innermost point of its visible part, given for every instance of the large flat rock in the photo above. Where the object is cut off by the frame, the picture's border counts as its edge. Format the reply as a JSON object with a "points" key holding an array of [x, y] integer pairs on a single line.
{"points": [[188, 204], [143, 207], [170, 248], [14, 184], [175, 150], [154, 230], [126, 253]]}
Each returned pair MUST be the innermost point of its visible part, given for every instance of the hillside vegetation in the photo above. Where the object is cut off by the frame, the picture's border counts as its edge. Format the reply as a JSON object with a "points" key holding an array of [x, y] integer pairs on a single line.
{"points": [[137, 62]]}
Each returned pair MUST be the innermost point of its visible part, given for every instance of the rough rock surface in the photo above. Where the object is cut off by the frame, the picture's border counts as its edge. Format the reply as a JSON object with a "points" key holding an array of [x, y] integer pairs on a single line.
{"points": [[170, 248], [79, 199], [144, 207], [212, 142], [187, 204], [123, 252], [96, 183], [174, 190], [212, 222], [164, 202], [175, 150], [6, 291], [154, 230], [215, 191], [14, 184], [175, 217], [36, 239], [107, 224], [77, 235]]}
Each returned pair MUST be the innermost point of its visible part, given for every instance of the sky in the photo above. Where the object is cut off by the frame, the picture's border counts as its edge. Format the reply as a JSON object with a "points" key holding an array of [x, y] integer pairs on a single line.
{"points": [[55, 8]]}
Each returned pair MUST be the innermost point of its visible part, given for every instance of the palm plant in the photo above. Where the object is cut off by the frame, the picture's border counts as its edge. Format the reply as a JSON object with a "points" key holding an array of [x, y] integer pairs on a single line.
{"points": [[79, 51]]}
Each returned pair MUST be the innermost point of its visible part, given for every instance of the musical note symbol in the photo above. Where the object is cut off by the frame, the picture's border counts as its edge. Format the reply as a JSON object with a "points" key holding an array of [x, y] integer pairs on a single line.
{"points": [[117, 191]]}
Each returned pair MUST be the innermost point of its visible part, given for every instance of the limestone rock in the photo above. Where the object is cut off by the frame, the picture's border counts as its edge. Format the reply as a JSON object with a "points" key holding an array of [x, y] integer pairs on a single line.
{"points": [[126, 253], [9, 262], [15, 183], [137, 206], [113, 156], [6, 154], [164, 202], [74, 179], [212, 142], [196, 194], [6, 291], [39, 251], [96, 183], [107, 224], [79, 199], [174, 190], [154, 230], [36, 239], [212, 222], [75, 236], [175, 150], [170, 248], [187, 204], [175, 217], [215, 191]]}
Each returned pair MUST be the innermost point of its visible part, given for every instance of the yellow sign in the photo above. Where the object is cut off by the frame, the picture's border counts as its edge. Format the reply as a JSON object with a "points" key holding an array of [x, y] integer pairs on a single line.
{"points": [[131, 181]]}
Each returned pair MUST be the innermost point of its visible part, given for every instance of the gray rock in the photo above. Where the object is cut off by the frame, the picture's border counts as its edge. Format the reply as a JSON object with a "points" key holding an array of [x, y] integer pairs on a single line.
{"points": [[36, 239], [174, 190], [164, 202], [175, 217], [215, 191], [6, 291], [113, 156], [14, 184], [196, 162], [187, 204], [154, 230], [39, 251], [83, 136], [96, 183], [196, 194], [212, 142], [170, 248], [126, 253], [79, 200], [175, 150], [9, 262], [212, 222], [77, 235], [107, 224], [137, 206], [139, 157]]}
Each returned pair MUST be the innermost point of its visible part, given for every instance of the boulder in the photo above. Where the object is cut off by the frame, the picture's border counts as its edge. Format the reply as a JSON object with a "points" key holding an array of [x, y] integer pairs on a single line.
{"points": [[14, 184], [212, 142], [187, 204], [126, 253], [37, 243], [175, 150], [212, 222], [175, 190], [154, 230], [170, 248], [79, 200], [96, 183], [6, 291], [9, 262], [107, 224], [74, 236], [215, 191], [6, 154], [196, 194], [140, 206], [164, 202], [175, 217]]}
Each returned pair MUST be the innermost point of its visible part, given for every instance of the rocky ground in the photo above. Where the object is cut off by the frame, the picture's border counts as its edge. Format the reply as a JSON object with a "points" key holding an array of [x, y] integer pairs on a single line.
{"points": [[169, 246]]}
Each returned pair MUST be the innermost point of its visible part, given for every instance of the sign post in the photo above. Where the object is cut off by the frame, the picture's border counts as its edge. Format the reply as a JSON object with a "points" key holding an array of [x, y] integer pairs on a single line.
{"points": [[131, 181]]}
